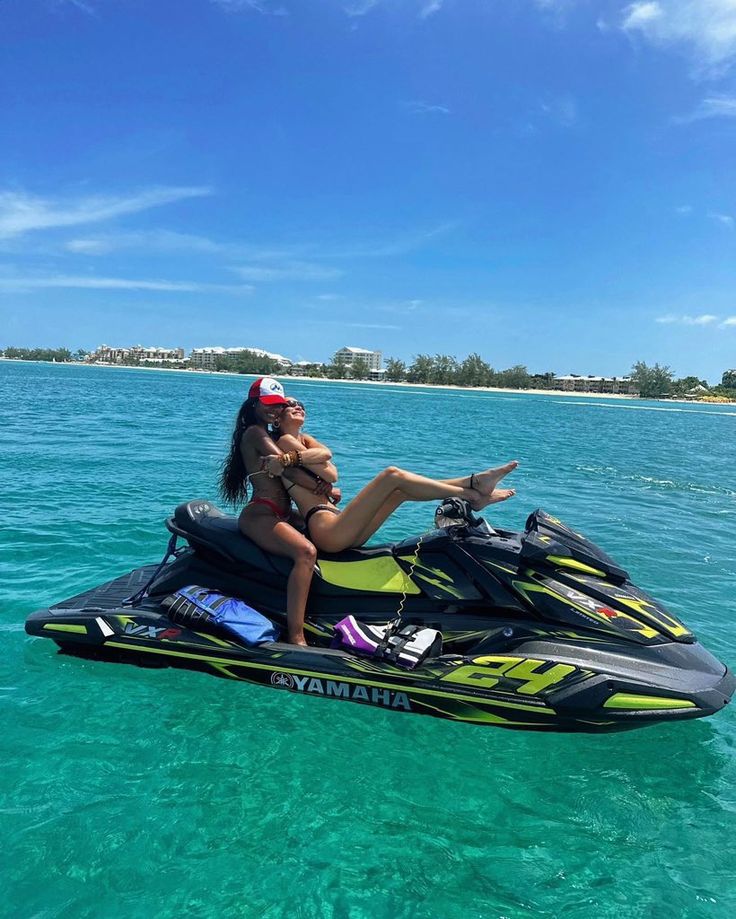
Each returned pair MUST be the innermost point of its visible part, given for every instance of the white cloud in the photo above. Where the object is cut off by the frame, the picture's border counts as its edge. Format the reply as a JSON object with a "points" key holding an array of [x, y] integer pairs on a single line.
{"points": [[400, 307], [83, 7], [684, 209], [640, 14], [563, 110], [705, 319], [419, 107], [171, 241], [288, 271], [22, 284], [356, 8], [301, 257], [23, 213], [725, 220], [257, 6], [731, 320], [706, 27], [429, 8], [88, 246], [401, 245], [360, 7], [712, 107]]}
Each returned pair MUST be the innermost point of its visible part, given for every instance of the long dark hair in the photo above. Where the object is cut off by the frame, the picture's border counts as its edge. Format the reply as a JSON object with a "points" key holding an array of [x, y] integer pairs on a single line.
{"points": [[233, 474]]}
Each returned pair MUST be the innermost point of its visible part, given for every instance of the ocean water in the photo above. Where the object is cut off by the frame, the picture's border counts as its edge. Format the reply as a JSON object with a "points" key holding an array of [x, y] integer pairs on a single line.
{"points": [[126, 792]]}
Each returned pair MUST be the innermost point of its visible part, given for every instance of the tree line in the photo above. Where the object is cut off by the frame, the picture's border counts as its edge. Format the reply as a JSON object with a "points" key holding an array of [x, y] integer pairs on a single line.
{"points": [[650, 382], [657, 381], [59, 355]]}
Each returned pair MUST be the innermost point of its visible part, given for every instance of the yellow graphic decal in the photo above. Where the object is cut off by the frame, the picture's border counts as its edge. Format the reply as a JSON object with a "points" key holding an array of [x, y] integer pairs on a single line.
{"points": [[62, 627], [486, 672], [625, 700], [565, 562], [505, 568], [526, 587], [420, 571], [446, 587], [217, 641], [223, 666], [645, 608], [377, 575], [414, 560]]}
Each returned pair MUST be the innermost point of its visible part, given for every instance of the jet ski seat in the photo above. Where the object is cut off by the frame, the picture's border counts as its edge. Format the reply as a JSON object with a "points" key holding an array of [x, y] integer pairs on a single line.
{"points": [[202, 523]]}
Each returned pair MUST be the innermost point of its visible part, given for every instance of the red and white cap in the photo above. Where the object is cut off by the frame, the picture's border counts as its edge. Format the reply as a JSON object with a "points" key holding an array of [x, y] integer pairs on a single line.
{"points": [[268, 391]]}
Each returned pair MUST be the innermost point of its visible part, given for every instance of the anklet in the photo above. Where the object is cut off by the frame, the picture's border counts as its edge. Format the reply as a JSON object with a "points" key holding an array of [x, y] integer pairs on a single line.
{"points": [[472, 481]]}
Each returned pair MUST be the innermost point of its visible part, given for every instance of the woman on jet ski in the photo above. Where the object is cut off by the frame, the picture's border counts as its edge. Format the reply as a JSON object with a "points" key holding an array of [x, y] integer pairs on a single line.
{"points": [[332, 530], [266, 517]]}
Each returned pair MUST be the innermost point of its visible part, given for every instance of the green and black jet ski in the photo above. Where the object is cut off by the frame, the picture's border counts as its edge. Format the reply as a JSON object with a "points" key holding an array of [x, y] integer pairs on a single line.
{"points": [[541, 629]]}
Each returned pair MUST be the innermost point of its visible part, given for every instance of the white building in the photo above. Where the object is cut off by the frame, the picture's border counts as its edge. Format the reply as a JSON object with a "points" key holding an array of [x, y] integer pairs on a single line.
{"points": [[205, 358], [574, 383], [108, 355], [348, 355]]}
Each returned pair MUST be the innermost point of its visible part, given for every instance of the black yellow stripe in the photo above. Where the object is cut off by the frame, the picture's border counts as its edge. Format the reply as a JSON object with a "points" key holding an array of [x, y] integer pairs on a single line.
{"points": [[216, 662]]}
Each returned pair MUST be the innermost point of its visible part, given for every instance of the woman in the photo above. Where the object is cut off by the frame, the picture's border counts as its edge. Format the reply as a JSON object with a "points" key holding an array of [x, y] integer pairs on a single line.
{"points": [[332, 530], [266, 517]]}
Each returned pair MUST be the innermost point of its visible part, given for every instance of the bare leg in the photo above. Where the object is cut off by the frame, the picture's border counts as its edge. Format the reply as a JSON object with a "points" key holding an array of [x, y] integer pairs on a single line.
{"points": [[279, 537], [391, 504], [334, 532], [485, 482], [481, 481], [394, 501]]}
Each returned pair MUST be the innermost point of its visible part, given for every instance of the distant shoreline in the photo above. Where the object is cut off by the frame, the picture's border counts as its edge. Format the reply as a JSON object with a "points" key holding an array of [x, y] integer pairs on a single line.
{"points": [[285, 377], [449, 386]]}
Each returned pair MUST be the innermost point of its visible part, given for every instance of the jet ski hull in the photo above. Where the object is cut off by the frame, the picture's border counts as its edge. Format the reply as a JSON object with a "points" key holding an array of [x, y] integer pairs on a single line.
{"points": [[513, 673]]}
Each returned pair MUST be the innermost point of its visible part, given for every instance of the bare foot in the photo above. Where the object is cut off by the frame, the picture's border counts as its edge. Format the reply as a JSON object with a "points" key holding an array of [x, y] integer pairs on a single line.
{"points": [[299, 640], [499, 494], [485, 482]]}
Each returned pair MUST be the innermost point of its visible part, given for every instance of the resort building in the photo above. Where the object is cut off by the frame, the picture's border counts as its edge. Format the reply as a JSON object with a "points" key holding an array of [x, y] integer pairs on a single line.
{"points": [[136, 354], [573, 382], [348, 355], [205, 358]]}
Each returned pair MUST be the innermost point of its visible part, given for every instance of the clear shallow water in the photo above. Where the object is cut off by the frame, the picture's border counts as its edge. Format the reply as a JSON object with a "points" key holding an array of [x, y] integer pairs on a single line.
{"points": [[126, 792]]}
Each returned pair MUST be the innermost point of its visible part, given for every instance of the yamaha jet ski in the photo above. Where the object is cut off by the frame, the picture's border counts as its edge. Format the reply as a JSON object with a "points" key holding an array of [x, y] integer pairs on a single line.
{"points": [[541, 629]]}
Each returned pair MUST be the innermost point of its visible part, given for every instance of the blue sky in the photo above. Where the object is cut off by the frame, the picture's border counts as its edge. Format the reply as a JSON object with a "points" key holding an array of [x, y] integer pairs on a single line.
{"points": [[548, 182]]}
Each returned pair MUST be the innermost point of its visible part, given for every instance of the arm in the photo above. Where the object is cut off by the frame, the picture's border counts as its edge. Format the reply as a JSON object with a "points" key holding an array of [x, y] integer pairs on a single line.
{"points": [[265, 446], [314, 455], [316, 477], [325, 470]]}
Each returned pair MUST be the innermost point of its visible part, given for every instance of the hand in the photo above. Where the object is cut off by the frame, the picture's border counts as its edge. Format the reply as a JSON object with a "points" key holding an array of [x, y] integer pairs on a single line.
{"points": [[336, 496], [323, 488], [272, 465]]}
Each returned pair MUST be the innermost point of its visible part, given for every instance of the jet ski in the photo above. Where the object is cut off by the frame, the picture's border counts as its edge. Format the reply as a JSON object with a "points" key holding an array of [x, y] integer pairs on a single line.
{"points": [[541, 629]]}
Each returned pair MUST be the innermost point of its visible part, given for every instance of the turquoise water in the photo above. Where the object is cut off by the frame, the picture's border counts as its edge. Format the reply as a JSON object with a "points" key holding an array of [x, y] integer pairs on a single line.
{"points": [[127, 792]]}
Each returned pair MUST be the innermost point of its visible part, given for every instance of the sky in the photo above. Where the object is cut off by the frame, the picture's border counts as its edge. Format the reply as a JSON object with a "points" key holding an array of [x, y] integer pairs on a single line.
{"points": [[544, 182]]}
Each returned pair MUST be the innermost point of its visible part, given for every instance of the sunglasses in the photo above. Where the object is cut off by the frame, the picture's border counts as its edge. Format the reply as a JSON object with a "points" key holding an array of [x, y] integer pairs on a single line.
{"points": [[295, 403]]}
